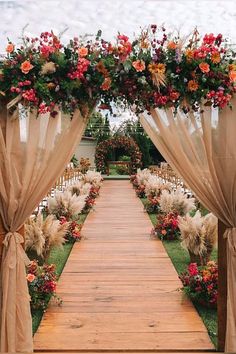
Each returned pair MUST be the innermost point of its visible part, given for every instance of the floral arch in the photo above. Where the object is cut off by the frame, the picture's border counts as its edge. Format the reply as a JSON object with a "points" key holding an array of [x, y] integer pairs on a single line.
{"points": [[154, 71], [128, 144]]}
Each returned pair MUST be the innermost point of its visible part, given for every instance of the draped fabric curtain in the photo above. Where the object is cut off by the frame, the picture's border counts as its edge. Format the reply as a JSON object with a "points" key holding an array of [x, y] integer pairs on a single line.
{"points": [[202, 149], [34, 151]]}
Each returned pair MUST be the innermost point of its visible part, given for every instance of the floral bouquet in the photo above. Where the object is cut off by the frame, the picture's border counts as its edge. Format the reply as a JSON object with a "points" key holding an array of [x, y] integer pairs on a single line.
{"points": [[152, 205], [140, 191], [167, 226], [74, 230], [200, 283], [41, 284]]}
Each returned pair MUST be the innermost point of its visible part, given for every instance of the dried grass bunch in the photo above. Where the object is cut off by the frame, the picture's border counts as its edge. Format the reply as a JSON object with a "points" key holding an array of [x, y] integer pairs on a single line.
{"points": [[94, 178], [80, 188], [142, 176], [198, 235], [154, 186], [65, 204], [176, 201], [42, 235]]}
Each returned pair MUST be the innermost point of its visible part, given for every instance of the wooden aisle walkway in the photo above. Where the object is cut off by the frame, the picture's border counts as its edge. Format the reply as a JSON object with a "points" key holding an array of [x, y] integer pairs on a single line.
{"points": [[119, 288]]}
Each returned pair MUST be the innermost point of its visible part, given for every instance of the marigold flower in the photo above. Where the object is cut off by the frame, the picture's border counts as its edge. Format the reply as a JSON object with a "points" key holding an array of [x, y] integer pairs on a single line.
{"points": [[189, 53], [204, 67], [83, 51], [139, 65], [26, 66], [232, 75], [192, 85], [215, 57], [106, 84], [172, 45], [10, 48], [157, 68]]}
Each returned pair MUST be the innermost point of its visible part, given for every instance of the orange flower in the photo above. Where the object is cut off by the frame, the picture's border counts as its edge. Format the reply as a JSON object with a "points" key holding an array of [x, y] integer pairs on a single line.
{"points": [[83, 52], [30, 277], [157, 68], [139, 65], [189, 54], [192, 85], [144, 44], [232, 75], [26, 66], [10, 48], [106, 84], [215, 57], [101, 68], [172, 45], [232, 67], [204, 67]]}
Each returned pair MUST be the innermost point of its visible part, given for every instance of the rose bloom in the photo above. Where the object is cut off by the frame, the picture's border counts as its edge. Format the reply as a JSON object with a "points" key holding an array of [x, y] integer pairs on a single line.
{"points": [[163, 232], [215, 57], [30, 277], [26, 66], [172, 45], [204, 67], [83, 52], [106, 84], [232, 75], [10, 48], [174, 95], [192, 85], [139, 65]]}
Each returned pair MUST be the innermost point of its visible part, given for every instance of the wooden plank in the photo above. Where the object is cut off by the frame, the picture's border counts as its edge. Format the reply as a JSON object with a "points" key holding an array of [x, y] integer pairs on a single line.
{"points": [[120, 289]]}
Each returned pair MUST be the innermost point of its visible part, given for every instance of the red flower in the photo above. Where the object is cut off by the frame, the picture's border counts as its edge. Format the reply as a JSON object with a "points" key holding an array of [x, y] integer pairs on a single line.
{"points": [[193, 269]]}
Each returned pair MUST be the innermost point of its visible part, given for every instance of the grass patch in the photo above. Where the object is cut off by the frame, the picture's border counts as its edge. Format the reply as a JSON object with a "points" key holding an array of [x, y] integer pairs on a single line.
{"points": [[58, 256], [180, 259]]}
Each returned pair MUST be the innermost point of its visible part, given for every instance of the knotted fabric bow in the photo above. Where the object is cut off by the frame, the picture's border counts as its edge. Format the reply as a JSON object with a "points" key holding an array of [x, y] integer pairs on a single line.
{"points": [[15, 296]]}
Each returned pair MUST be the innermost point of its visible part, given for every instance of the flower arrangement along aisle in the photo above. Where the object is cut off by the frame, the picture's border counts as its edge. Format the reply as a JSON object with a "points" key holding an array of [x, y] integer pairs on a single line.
{"points": [[154, 70], [41, 284], [201, 283], [167, 226]]}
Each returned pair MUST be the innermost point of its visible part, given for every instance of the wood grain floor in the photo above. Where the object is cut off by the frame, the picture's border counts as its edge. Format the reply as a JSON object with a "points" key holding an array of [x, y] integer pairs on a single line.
{"points": [[120, 289]]}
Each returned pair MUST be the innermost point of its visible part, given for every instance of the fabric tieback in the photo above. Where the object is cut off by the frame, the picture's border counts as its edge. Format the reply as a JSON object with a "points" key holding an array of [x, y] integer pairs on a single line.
{"points": [[230, 235], [13, 247]]}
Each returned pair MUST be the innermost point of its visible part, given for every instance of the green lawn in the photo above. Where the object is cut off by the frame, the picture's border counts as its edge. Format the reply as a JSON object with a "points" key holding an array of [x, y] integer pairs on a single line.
{"points": [[180, 259], [58, 256]]}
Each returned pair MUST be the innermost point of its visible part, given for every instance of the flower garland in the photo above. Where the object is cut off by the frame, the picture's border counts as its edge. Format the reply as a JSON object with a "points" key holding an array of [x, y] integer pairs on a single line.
{"points": [[154, 70], [124, 142]]}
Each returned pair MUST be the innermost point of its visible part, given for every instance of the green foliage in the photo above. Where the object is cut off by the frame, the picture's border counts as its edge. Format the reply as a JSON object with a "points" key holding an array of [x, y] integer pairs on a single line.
{"points": [[98, 127]]}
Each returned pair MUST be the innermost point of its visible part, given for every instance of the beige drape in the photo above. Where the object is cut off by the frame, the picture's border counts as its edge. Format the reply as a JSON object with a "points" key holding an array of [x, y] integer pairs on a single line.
{"points": [[33, 153], [202, 149]]}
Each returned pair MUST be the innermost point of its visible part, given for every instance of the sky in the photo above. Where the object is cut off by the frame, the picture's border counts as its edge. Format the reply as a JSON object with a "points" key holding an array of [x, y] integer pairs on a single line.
{"points": [[79, 17]]}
